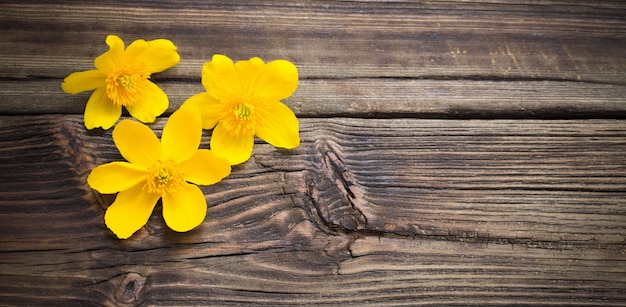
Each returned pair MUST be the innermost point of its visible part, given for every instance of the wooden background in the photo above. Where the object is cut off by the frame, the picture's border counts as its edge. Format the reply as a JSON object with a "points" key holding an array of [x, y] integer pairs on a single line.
{"points": [[453, 153]]}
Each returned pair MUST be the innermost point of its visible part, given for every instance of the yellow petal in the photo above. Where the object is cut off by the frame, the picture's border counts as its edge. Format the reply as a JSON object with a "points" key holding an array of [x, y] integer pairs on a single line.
{"points": [[205, 168], [181, 135], [153, 103], [100, 110], [137, 143], [115, 177], [184, 209], [256, 61], [235, 149], [134, 50], [112, 59], [83, 81], [219, 79], [278, 126], [156, 55], [207, 107], [130, 211], [247, 73], [278, 80]]}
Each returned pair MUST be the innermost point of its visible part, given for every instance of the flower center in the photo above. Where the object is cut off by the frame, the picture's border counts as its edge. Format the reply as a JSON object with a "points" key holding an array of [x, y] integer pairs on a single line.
{"points": [[126, 86], [164, 177], [127, 81], [239, 120], [243, 111]]}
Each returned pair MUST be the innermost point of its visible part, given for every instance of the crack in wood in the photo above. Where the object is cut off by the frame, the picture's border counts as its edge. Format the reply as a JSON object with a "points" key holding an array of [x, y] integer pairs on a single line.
{"points": [[336, 204]]}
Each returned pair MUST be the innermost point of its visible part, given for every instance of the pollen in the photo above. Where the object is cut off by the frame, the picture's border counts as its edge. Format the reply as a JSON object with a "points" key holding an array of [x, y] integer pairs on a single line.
{"points": [[126, 86], [164, 178], [240, 120]]}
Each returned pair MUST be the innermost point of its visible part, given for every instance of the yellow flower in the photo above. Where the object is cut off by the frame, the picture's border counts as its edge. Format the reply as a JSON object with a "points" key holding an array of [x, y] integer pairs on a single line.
{"points": [[243, 100], [121, 79], [158, 170]]}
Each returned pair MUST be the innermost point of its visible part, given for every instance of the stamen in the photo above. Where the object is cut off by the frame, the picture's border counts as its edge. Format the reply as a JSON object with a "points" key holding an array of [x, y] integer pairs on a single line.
{"points": [[126, 86], [240, 120], [164, 177]]}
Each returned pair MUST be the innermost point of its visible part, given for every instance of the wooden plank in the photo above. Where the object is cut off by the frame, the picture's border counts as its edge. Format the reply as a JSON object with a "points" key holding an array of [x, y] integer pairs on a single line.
{"points": [[538, 40], [364, 212], [382, 272], [440, 171], [362, 97]]}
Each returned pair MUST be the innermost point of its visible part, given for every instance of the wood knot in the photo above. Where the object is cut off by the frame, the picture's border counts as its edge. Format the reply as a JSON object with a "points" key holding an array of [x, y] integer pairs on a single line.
{"points": [[333, 192], [128, 290]]}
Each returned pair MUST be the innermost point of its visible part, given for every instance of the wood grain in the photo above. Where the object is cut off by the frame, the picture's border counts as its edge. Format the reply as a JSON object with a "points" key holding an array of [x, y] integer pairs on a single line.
{"points": [[453, 153], [539, 40], [375, 98], [364, 212]]}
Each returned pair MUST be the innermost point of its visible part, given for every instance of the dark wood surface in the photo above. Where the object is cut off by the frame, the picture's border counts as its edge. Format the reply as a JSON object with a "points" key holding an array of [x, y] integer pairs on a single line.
{"points": [[453, 153]]}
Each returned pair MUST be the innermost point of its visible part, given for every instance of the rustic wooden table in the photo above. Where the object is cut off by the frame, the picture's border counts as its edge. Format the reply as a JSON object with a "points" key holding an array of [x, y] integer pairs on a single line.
{"points": [[458, 152]]}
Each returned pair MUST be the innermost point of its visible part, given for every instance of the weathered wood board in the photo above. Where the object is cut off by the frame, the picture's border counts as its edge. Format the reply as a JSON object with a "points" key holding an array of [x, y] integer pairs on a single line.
{"points": [[364, 211], [453, 153], [554, 40], [376, 98]]}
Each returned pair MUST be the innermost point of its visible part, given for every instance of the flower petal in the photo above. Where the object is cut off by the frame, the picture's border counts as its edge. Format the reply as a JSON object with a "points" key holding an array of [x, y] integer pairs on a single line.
{"points": [[257, 62], [100, 110], [130, 211], [278, 126], [277, 80], [134, 50], [155, 56], [184, 209], [83, 81], [153, 103], [207, 107], [115, 177], [112, 59], [247, 74], [137, 143], [205, 168], [235, 149], [219, 79], [181, 135]]}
